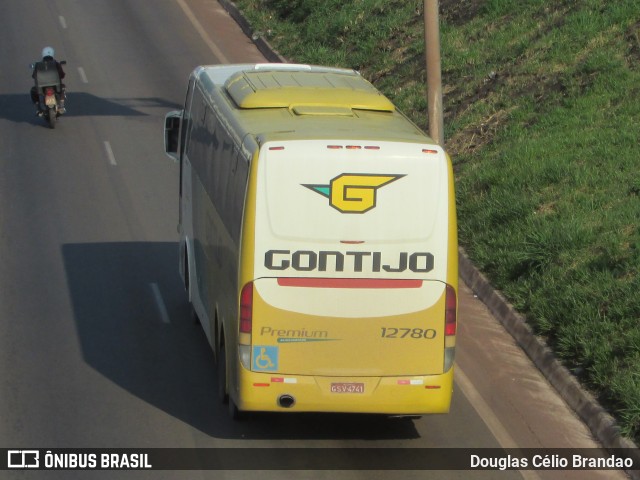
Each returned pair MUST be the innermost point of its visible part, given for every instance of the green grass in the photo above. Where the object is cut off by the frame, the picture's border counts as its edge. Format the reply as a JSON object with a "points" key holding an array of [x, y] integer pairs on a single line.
{"points": [[542, 118]]}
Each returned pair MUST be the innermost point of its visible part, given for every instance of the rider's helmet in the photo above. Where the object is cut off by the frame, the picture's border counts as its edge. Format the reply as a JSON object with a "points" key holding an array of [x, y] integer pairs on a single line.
{"points": [[48, 52]]}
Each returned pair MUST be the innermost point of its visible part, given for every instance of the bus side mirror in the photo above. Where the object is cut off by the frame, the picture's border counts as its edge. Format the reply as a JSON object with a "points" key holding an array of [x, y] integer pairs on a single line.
{"points": [[172, 133]]}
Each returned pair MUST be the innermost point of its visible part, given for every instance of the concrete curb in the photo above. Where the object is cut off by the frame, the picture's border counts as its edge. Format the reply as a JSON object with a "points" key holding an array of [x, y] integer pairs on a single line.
{"points": [[265, 48], [602, 425]]}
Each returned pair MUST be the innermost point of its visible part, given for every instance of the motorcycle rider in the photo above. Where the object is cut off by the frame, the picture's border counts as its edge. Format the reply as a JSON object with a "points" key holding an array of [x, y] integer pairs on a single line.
{"points": [[48, 56]]}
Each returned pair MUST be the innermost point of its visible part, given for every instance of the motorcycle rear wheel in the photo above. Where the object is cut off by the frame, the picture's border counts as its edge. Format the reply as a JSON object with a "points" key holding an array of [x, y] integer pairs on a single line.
{"points": [[51, 117]]}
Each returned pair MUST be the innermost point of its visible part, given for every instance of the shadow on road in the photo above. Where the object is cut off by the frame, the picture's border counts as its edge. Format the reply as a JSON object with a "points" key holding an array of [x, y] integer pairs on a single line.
{"points": [[170, 365], [19, 109]]}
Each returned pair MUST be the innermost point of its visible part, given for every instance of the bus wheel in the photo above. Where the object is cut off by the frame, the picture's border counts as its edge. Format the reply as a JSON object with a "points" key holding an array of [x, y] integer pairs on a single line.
{"points": [[234, 412], [193, 315], [223, 395]]}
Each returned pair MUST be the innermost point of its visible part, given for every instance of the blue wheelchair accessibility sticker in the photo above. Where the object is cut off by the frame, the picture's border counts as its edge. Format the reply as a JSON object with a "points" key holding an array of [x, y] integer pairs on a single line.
{"points": [[265, 358]]}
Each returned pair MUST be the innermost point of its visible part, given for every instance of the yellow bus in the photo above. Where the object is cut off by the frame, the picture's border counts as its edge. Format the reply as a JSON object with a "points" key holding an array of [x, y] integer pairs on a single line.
{"points": [[318, 241]]}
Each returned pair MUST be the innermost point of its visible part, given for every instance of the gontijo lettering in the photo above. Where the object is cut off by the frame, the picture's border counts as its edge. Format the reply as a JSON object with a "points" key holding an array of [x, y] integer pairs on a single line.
{"points": [[334, 261]]}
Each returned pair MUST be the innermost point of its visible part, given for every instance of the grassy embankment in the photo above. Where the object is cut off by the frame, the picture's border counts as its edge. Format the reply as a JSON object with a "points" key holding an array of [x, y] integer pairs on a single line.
{"points": [[542, 104]]}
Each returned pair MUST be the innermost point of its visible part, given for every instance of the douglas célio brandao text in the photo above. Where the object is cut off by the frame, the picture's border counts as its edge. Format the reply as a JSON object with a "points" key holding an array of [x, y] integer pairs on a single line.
{"points": [[549, 462]]}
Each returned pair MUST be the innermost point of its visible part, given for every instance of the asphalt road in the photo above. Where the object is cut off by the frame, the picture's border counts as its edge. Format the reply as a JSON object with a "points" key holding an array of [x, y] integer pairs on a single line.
{"points": [[96, 346]]}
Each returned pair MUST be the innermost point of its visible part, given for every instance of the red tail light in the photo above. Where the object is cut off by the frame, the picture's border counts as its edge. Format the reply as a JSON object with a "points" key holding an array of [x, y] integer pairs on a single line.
{"points": [[49, 92], [450, 312], [246, 308]]}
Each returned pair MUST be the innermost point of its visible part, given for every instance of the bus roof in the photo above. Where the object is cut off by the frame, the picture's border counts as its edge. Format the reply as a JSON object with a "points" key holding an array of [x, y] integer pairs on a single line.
{"points": [[279, 102]]}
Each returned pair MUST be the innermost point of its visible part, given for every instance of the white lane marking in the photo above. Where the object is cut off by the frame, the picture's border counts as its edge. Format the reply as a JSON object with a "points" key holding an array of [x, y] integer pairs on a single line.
{"points": [[112, 158], [63, 22], [486, 414], [83, 76], [203, 33], [157, 296]]}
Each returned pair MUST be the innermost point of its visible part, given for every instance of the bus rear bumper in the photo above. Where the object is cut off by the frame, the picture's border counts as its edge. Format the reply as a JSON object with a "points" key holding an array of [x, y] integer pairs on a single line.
{"points": [[407, 395]]}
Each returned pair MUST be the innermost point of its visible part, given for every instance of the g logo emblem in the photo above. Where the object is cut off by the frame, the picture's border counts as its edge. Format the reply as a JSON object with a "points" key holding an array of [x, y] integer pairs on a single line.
{"points": [[353, 192]]}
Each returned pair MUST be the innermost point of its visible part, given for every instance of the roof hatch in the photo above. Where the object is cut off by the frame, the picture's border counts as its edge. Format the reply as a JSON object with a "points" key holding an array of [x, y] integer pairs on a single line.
{"points": [[305, 92]]}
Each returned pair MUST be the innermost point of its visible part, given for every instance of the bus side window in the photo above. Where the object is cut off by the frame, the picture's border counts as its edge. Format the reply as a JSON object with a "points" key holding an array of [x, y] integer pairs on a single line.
{"points": [[211, 146], [224, 181], [214, 178], [186, 118], [198, 138], [238, 192]]}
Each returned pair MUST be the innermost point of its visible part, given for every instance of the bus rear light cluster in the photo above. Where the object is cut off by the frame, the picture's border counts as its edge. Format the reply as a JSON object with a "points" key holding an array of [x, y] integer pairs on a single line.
{"points": [[450, 327], [450, 322], [246, 308]]}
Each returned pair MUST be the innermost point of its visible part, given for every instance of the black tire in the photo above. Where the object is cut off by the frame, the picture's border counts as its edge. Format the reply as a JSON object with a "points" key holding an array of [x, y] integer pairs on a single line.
{"points": [[51, 117], [193, 315], [234, 413], [223, 393]]}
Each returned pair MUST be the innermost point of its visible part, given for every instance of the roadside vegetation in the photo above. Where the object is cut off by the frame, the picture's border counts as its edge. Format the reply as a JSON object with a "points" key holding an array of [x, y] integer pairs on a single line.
{"points": [[542, 120]]}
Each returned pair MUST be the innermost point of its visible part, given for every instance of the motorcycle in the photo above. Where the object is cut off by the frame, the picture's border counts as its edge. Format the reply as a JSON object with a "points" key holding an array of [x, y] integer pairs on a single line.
{"points": [[49, 89]]}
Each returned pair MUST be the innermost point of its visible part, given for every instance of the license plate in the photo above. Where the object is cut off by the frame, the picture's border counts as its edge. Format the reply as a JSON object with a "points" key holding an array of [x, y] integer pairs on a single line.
{"points": [[50, 100], [347, 388]]}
